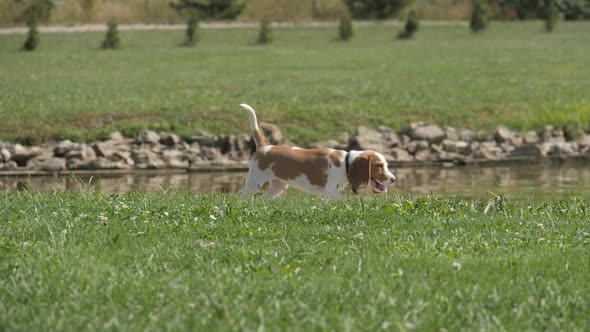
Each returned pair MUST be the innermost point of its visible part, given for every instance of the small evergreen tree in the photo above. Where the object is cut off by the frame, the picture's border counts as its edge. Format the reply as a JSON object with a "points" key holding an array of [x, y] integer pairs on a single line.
{"points": [[345, 27], [550, 15], [265, 36], [479, 17], [33, 36], [192, 25], [112, 40], [412, 25]]}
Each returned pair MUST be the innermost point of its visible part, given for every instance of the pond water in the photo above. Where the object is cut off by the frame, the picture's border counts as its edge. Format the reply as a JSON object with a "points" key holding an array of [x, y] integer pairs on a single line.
{"points": [[546, 181]]}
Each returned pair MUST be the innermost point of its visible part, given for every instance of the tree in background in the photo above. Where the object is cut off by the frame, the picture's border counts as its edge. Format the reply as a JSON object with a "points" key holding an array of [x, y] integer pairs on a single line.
{"points": [[479, 17], [345, 31], [375, 9], [33, 36], [265, 35], [412, 25], [112, 40], [211, 9], [550, 15]]}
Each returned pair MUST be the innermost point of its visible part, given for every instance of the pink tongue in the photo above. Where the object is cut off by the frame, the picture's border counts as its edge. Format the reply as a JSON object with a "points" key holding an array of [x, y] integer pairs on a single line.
{"points": [[384, 189]]}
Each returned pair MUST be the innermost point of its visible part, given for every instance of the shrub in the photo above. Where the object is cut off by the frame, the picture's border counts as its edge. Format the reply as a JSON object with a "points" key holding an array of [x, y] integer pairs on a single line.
{"points": [[192, 25], [33, 36], [479, 17], [112, 40], [412, 25], [550, 15], [265, 36], [345, 27]]}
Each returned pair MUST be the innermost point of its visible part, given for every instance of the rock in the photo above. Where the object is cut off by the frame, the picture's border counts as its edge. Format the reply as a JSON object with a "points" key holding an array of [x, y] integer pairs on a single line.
{"points": [[583, 141], [369, 139], [211, 154], [401, 155], [503, 135], [82, 152], [431, 133], [488, 150], [146, 159], [148, 137], [558, 148], [100, 163], [531, 137], [466, 135], [527, 150], [5, 155], [169, 139], [389, 136], [175, 159], [35, 164], [272, 133], [202, 140], [424, 155], [453, 157], [21, 155], [552, 134], [117, 137], [436, 148], [54, 164], [410, 129], [122, 156], [507, 138], [9, 166], [414, 146], [104, 149], [404, 141], [451, 134], [454, 146], [64, 147]]}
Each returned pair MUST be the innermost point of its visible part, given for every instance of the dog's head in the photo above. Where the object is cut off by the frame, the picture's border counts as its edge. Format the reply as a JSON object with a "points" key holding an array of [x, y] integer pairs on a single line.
{"points": [[370, 169]]}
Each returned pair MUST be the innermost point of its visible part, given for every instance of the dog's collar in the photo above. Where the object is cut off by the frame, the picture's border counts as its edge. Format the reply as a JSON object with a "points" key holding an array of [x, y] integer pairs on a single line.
{"points": [[347, 163]]}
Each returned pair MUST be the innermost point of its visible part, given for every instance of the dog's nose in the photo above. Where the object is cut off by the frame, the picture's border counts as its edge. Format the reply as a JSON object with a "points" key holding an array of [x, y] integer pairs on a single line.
{"points": [[393, 179]]}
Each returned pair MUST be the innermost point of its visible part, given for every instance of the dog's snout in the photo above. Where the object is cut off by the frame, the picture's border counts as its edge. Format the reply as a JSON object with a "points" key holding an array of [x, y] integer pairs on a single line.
{"points": [[393, 179]]}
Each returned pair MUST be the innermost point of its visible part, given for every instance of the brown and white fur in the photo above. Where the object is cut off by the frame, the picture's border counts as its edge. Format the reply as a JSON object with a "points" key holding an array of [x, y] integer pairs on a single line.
{"points": [[319, 171]]}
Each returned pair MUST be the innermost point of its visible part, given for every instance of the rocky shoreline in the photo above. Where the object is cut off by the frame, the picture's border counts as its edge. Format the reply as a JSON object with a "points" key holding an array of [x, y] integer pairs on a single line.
{"points": [[418, 144]]}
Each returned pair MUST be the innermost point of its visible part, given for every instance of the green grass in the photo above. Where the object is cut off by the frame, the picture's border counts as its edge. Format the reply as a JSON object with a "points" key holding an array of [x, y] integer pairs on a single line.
{"points": [[146, 262], [307, 82]]}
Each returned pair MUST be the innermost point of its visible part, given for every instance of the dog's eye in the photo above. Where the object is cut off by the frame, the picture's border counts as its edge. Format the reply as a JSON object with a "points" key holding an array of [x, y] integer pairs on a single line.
{"points": [[379, 166]]}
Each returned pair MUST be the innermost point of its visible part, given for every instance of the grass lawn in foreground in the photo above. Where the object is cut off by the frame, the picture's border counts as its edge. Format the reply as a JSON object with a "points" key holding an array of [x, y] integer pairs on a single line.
{"points": [[307, 82], [180, 262]]}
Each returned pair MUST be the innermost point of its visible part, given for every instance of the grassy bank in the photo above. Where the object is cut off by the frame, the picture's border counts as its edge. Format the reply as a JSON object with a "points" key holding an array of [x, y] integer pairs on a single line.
{"points": [[306, 82], [174, 261]]}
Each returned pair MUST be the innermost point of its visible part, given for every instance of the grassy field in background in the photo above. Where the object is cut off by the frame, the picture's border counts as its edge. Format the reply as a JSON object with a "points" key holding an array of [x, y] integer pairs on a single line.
{"points": [[173, 261], [309, 84]]}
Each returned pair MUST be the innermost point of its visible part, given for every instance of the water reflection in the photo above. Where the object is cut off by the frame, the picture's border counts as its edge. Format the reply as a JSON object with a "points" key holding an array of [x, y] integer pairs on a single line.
{"points": [[538, 181]]}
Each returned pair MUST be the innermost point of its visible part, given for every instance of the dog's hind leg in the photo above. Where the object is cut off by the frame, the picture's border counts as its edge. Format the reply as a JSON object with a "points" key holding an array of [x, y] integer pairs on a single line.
{"points": [[276, 188], [254, 182]]}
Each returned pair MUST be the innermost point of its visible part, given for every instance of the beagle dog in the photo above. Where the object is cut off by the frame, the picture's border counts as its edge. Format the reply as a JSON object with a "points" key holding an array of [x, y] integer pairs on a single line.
{"points": [[322, 172]]}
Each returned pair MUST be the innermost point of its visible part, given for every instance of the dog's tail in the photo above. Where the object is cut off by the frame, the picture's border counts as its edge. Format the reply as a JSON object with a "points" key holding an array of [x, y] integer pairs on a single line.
{"points": [[256, 132]]}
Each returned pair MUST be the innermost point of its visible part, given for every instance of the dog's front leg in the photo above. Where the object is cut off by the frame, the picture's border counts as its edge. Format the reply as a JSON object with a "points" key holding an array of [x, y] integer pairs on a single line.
{"points": [[334, 195]]}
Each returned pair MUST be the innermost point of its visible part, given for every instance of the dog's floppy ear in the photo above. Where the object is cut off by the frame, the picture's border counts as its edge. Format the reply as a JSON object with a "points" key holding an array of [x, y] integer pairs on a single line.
{"points": [[360, 172]]}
